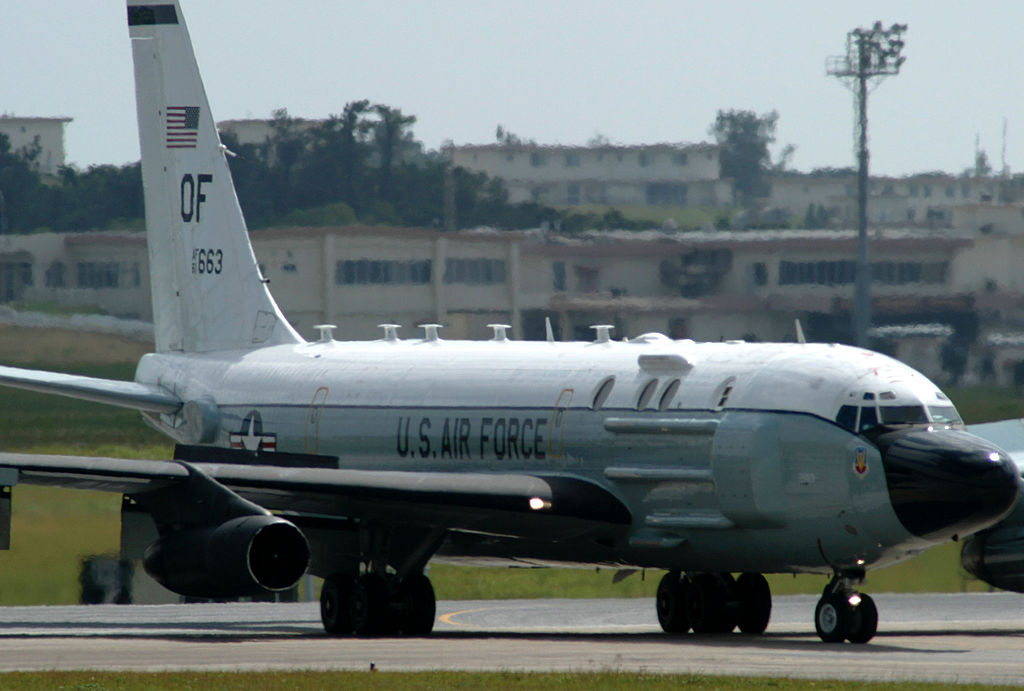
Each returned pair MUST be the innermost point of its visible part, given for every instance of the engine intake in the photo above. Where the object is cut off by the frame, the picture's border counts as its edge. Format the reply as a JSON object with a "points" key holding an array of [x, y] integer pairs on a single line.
{"points": [[244, 556], [996, 556]]}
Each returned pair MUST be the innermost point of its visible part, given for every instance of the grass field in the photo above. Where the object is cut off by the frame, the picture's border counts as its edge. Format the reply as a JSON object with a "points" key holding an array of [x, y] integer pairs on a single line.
{"points": [[53, 529], [314, 681]]}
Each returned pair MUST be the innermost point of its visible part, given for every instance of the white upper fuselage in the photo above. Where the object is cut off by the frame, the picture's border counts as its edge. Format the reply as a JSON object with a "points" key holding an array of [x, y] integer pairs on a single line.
{"points": [[812, 379], [745, 441]]}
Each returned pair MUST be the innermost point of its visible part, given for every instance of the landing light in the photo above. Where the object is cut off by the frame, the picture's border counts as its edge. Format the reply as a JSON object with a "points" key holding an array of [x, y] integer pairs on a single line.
{"points": [[537, 504], [994, 457], [854, 599]]}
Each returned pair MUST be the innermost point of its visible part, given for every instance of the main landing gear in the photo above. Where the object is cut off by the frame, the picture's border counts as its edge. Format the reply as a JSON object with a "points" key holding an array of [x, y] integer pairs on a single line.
{"points": [[718, 603], [374, 604], [714, 603], [845, 614]]}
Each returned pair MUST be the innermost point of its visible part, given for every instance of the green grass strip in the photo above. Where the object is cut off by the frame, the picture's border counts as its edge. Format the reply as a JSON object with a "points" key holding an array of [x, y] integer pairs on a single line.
{"points": [[301, 680]]}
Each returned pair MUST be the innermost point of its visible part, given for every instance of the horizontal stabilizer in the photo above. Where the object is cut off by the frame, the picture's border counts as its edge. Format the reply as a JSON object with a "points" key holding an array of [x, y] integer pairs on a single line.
{"points": [[126, 394]]}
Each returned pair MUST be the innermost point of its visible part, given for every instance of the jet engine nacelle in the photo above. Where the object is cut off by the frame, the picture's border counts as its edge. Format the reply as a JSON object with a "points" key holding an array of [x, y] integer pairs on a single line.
{"points": [[244, 556], [996, 555]]}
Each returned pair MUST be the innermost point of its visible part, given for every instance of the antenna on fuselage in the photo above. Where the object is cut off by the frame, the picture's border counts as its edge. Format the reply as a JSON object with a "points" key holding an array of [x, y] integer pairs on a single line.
{"points": [[326, 332], [499, 331], [390, 331], [799, 332], [602, 332], [430, 332]]}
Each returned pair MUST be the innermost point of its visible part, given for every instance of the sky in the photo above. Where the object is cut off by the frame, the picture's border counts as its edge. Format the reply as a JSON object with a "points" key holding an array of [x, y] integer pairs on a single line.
{"points": [[555, 71]]}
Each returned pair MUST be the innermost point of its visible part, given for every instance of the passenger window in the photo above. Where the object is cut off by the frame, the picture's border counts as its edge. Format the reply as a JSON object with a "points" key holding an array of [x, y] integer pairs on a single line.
{"points": [[723, 391], [601, 394], [847, 417], [669, 395], [647, 394], [868, 418]]}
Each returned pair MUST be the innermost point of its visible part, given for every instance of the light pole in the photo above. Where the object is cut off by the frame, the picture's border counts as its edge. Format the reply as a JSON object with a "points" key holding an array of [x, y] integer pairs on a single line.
{"points": [[870, 54]]}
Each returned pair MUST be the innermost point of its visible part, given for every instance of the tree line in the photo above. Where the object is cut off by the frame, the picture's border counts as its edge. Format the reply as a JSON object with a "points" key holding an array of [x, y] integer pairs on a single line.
{"points": [[362, 165]]}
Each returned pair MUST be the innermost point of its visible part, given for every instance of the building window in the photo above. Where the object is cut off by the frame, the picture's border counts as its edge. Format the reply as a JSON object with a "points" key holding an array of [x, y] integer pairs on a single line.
{"points": [[25, 273], [679, 159], [367, 271], [55, 275], [538, 160], [97, 274], [572, 160], [913, 190], [586, 279], [817, 273], [645, 159], [665, 193], [572, 194], [558, 276], [760, 272], [830, 273], [474, 271]]}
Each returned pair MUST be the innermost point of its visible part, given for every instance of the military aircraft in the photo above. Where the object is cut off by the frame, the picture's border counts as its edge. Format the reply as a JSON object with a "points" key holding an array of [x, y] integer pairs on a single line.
{"points": [[362, 461]]}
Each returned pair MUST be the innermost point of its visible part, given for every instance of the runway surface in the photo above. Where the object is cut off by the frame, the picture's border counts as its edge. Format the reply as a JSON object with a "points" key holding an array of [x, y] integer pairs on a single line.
{"points": [[949, 638]]}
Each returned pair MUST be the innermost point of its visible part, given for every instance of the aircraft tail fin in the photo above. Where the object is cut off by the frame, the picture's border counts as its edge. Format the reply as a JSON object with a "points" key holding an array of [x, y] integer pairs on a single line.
{"points": [[208, 292]]}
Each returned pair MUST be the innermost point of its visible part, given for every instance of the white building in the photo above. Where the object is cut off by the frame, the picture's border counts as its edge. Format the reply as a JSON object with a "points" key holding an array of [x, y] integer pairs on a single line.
{"points": [[703, 285], [24, 134], [918, 200], [654, 175]]}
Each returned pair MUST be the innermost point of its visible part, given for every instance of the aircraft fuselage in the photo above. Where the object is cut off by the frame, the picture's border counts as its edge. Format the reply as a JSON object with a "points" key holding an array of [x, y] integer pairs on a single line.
{"points": [[712, 447]]}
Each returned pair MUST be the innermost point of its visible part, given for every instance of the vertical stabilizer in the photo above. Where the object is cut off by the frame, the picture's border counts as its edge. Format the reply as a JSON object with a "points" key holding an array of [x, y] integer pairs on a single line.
{"points": [[208, 293]]}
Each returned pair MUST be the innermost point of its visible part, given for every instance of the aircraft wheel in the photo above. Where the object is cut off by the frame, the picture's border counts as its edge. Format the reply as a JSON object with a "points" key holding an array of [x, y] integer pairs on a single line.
{"points": [[336, 605], [419, 605], [755, 598], [833, 617], [865, 621], [671, 603], [707, 604], [371, 606]]}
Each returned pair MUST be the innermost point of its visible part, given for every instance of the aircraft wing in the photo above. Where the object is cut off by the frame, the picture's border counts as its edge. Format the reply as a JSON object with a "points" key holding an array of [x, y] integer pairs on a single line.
{"points": [[517, 505], [1006, 434], [126, 394]]}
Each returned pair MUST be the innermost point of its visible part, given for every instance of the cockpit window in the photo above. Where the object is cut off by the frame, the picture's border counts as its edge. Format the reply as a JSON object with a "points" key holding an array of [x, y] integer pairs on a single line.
{"points": [[902, 414], [868, 418], [944, 414], [847, 417]]}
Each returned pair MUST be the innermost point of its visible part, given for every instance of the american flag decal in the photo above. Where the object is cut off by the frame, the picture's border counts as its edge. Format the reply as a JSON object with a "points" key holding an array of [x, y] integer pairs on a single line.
{"points": [[182, 127]]}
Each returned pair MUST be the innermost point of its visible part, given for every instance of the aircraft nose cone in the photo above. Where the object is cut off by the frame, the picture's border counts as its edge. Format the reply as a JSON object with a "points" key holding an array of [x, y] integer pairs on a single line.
{"points": [[947, 482]]}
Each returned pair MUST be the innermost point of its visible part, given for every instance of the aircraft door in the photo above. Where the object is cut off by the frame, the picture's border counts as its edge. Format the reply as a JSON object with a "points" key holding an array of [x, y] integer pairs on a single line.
{"points": [[313, 419]]}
